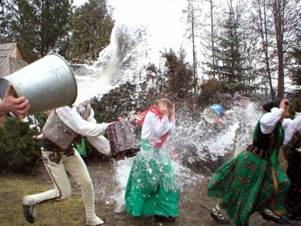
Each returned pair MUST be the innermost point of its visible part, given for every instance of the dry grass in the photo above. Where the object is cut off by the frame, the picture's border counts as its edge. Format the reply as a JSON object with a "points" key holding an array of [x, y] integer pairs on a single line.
{"points": [[13, 188]]}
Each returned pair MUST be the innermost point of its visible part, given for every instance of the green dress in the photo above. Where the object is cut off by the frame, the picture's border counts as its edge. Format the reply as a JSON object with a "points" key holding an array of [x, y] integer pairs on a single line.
{"points": [[245, 184], [151, 187]]}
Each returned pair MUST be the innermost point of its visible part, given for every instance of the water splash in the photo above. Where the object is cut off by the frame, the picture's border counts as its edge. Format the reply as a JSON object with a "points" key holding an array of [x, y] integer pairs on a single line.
{"points": [[198, 147]]}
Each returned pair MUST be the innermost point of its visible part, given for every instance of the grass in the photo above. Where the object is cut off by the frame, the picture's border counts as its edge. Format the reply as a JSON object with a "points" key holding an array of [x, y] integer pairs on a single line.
{"points": [[12, 188]]}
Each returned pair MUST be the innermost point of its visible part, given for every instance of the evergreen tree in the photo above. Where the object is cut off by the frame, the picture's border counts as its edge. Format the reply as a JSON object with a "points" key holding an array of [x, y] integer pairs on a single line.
{"points": [[18, 151], [229, 64], [91, 29], [38, 26], [179, 74], [296, 75]]}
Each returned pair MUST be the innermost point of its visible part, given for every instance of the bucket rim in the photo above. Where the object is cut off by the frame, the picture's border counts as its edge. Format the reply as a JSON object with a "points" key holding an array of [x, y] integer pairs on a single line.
{"points": [[67, 63]]}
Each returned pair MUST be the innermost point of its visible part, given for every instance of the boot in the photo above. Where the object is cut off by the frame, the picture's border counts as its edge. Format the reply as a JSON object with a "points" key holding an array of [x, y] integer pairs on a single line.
{"points": [[94, 221]]}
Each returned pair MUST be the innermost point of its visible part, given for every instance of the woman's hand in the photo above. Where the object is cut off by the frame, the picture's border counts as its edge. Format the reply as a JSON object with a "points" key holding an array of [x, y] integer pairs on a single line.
{"points": [[284, 104], [163, 109]]}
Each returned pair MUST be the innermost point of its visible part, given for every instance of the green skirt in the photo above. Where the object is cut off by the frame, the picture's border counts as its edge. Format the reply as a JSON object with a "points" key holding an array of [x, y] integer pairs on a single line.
{"points": [[151, 187], [245, 185]]}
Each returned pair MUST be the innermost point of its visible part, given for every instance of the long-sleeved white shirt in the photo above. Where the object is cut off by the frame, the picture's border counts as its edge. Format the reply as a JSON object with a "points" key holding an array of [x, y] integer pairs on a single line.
{"points": [[89, 128], [75, 122], [291, 126], [153, 127], [269, 120]]}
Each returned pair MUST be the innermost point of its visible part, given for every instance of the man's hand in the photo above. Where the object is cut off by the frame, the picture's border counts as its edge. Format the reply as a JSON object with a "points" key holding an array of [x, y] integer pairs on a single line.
{"points": [[19, 106]]}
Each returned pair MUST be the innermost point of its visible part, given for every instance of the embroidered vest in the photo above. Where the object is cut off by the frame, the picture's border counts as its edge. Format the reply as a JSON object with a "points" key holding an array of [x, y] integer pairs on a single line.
{"points": [[264, 144], [57, 132]]}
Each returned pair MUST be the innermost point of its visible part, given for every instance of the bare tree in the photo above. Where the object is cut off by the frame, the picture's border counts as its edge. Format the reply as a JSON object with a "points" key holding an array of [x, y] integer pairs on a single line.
{"points": [[278, 7], [263, 31], [212, 35], [192, 21]]}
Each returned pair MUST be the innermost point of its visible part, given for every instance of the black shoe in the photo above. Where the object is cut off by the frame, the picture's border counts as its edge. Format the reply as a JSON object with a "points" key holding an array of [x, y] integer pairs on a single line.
{"points": [[270, 216], [28, 212], [164, 219], [218, 216]]}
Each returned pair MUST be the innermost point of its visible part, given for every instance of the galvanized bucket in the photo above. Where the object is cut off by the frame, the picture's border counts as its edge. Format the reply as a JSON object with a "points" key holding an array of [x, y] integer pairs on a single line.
{"points": [[47, 83]]}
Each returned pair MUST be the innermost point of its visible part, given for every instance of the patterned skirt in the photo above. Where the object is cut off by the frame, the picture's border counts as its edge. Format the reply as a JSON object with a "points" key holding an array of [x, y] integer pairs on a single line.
{"points": [[245, 185], [151, 187]]}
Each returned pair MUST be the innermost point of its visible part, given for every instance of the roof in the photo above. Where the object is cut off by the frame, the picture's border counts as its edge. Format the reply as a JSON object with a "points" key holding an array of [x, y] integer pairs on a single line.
{"points": [[8, 50], [11, 59]]}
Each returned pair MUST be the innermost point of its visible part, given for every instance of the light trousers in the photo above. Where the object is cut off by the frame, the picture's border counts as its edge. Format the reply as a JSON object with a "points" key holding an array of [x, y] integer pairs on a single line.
{"points": [[57, 170]]}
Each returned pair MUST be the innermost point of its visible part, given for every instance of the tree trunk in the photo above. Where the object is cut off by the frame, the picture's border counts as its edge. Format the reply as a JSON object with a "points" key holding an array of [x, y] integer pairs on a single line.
{"points": [[278, 12], [193, 48], [264, 39], [212, 39]]}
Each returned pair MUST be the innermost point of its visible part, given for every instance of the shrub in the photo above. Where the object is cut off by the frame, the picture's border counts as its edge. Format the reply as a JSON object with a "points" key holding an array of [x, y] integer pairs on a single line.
{"points": [[18, 151]]}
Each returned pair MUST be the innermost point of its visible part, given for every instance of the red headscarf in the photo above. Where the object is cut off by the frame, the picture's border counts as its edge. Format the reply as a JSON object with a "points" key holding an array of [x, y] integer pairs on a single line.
{"points": [[154, 109]]}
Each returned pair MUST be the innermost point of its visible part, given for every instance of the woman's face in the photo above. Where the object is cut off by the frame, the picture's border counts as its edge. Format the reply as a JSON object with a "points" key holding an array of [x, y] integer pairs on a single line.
{"points": [[163, 108]]}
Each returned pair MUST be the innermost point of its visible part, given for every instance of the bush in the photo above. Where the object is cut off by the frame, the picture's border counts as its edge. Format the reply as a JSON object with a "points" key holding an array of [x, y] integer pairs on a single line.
{"points": [[18, 151]]}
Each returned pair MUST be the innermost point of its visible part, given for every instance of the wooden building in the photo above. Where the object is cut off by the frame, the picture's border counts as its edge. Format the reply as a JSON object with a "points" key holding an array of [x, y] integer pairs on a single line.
{"points": [[11, 59]]}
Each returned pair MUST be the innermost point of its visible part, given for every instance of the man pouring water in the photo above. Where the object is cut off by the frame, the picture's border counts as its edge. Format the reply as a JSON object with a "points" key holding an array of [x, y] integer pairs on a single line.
{"points": [[62, 127]]}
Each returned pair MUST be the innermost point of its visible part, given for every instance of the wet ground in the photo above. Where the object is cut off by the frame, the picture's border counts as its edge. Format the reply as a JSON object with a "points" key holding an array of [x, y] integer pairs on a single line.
{"points": [[195, 204]]}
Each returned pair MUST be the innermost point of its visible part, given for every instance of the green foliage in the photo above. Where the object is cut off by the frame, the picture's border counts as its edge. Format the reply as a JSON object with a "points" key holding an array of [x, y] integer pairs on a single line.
{"points": [[209, 88], [38, 26], [18, 151], [117, 103], [229, 65], [296, 71], [91, 30], [179, 74]]}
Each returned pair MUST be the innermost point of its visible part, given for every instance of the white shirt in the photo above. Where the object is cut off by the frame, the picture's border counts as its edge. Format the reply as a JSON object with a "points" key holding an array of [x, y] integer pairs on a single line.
{"points": [[291, 126], [89, 128], [83, 127], [269, 120], [153, 127]]}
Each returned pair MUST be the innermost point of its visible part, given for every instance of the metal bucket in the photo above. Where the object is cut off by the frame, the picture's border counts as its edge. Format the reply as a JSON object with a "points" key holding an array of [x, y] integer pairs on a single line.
{"points": [[48, 83]]}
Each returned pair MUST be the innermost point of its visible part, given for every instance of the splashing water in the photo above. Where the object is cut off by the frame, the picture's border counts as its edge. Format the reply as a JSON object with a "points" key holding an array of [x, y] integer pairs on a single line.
{"points": [[199, 147]]}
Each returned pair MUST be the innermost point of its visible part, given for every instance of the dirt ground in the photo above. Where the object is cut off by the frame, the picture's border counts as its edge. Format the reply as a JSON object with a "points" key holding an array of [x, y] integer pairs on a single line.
{"points": [[195, 204]]}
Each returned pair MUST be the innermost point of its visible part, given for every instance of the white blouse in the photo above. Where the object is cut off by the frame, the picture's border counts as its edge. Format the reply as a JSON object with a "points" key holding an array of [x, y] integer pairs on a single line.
{"points": [[269, 120], [153, 127]]}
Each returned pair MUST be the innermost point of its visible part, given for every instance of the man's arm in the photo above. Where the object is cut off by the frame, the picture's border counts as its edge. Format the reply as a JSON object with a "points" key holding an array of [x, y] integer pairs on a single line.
{"points": [[75, 122], [19, 106]]}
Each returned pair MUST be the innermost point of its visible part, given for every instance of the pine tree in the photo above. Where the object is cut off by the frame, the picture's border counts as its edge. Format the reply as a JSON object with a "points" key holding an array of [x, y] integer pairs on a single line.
{"points": [[38, 26], [229, 61], [180, 80], [91, 30], [296, 76]]}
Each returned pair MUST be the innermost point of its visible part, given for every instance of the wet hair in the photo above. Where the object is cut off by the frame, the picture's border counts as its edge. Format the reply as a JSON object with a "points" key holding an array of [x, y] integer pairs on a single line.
{"points": [[268, 106], [165, 101]]}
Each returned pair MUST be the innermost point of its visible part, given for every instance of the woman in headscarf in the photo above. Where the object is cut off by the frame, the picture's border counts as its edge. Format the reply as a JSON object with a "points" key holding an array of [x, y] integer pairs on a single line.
{"points": [[151, 187]]}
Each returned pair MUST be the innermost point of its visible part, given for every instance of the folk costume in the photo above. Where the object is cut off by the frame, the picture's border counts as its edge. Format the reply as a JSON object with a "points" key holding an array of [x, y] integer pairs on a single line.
{"points": [[151, 187], [292, 152], [59, 157], [253, 180]]}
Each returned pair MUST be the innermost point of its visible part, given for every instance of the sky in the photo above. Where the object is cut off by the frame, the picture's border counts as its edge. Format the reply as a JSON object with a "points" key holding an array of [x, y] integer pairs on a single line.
{"points": [[162, 17], [78, 2]]}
